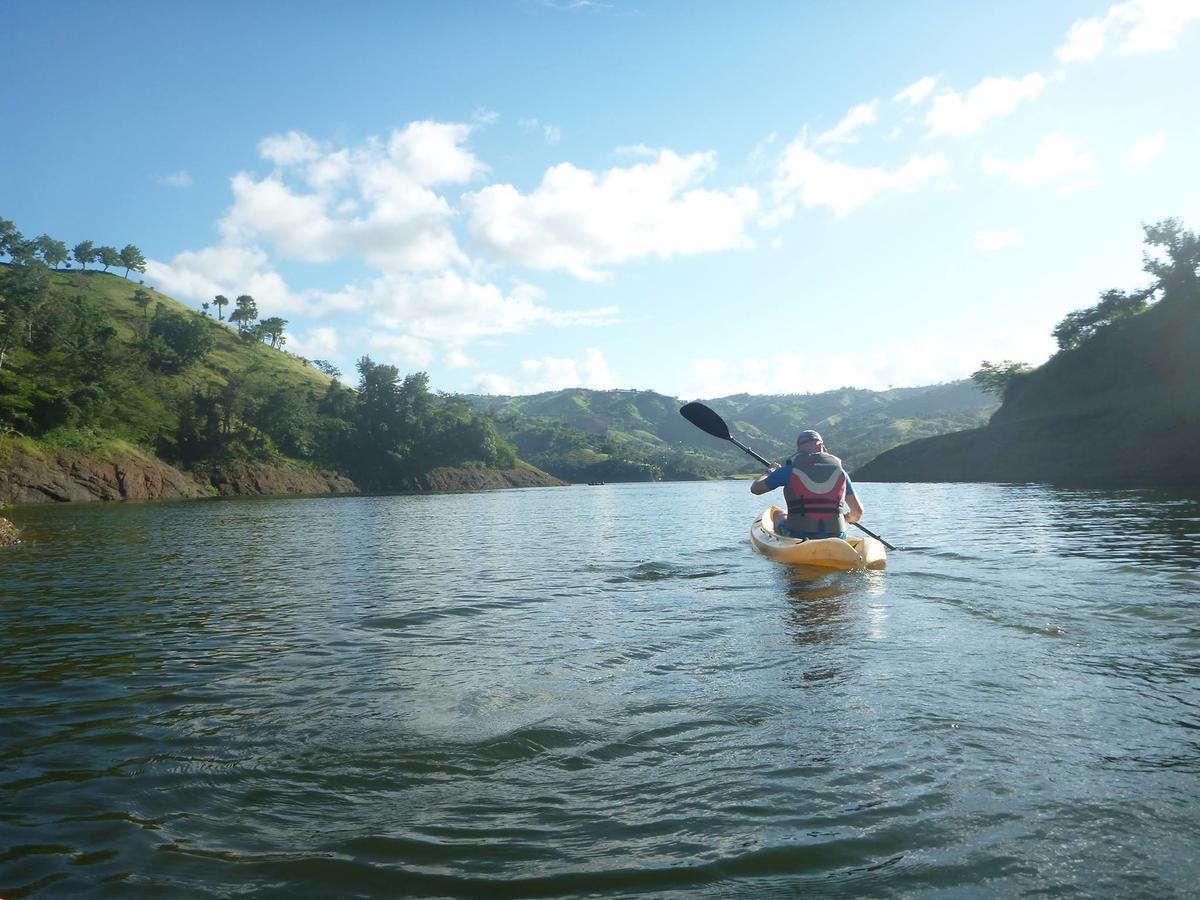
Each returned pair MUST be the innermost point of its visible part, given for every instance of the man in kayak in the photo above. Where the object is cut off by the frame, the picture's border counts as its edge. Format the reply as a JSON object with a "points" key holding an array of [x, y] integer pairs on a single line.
{"points": [[814, 485]]}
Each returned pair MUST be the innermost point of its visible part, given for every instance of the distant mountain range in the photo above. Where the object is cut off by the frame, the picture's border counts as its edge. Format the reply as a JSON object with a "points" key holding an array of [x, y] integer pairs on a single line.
{"points": [[588, 435]]}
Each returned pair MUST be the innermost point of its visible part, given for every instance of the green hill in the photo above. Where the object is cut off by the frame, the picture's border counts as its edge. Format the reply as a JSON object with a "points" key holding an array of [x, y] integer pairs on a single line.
{"points": [[109, 388], [92, 366], [586, 435], [1120, 408]]}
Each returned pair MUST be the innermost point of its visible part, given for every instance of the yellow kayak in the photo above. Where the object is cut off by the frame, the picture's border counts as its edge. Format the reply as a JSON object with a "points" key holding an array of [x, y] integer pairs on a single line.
{"points": [[830, 553]]}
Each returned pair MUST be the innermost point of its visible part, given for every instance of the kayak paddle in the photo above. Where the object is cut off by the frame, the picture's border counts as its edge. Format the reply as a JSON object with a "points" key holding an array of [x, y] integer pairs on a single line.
{"points": [[711, 423]]}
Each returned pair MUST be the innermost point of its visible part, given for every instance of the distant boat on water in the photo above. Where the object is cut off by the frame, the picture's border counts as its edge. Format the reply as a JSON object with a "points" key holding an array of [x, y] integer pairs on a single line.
{"points": [[594, 483]]}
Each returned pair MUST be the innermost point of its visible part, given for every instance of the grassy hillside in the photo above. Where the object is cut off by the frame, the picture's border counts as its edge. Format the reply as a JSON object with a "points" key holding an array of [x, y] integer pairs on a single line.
{"points": [[229, 355], [88, 360], [87, 335]]}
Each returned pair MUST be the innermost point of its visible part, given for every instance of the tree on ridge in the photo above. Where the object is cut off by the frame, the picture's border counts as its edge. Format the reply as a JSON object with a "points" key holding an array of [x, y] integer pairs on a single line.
{"points": [[84, 252], [131, 258], [53, 252], [244, 315], [108, 256]]}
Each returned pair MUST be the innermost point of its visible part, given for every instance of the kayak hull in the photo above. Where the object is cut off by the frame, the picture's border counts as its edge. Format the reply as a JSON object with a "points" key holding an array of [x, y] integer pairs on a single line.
{"points": [[828, 553]]}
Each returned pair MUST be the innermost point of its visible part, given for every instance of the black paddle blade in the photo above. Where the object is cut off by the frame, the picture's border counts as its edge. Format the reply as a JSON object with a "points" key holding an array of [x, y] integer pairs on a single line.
{"points": [[705, 419]]}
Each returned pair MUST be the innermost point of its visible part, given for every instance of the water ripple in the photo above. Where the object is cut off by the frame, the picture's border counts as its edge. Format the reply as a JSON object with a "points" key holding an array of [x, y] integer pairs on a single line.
{"points": [[352, 707]]}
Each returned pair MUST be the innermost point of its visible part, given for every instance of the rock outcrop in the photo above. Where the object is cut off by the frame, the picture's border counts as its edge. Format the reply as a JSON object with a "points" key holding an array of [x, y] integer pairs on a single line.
{"points": [[8, 533], [244, 479], [36, 474], [450, 479], [33, 473]]}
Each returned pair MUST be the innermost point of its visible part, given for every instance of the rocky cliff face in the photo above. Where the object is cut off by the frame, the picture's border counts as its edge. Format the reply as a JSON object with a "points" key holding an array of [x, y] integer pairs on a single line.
{"points": [[36, 474], [252, 479], [47, 475], [446, 479]]}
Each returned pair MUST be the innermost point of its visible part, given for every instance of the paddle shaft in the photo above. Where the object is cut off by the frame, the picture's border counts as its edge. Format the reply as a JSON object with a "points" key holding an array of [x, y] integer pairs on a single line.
{"points": [[766, 462]]}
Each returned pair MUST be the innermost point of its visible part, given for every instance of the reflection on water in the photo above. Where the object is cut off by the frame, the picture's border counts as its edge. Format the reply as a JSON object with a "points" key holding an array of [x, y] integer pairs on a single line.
{"points": [[338, 697]]}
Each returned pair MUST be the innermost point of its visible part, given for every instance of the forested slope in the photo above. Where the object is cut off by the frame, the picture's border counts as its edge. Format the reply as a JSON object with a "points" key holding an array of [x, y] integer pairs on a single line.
{"points": [[103, 381]]}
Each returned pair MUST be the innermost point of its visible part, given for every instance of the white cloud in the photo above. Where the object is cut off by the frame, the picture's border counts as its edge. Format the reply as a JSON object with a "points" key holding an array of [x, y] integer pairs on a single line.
{"points": [[317, 343], [843, 131], [401, 348], [637, 151], [1055, 158], [815, 181], [431, 153], [180, 179], [989, 241], [581, 221], [295, 223], [551, 374], [289, 149], [917, 91], [231, 270], [374, 201], [1139, 26], [958, 114], [456, 359], [481, 115], [449, 308], [1147, 149], [492, 383], [1085, 40]]}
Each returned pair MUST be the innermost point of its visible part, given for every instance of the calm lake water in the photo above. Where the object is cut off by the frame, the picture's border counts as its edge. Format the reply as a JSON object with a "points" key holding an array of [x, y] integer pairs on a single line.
{"points": [[601, 691]]}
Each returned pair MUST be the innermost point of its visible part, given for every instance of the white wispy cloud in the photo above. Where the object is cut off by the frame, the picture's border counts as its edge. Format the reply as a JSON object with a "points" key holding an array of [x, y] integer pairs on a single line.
{"points": [[402, 348], [581, 221], [552, 134], [551, 374], [317, 343], [989, 241], [289, 149], [227, 269], [955, 115], [856, 118], [448, 307], [917, 91], [1057, 157], [456, 359], [806, 176], [1139, 26], [927, 360], [180, 179], [1147, 149]]}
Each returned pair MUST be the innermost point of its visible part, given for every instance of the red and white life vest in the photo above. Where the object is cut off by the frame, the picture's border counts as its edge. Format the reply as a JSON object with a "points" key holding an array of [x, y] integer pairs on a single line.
{"points": [[814, 494]]}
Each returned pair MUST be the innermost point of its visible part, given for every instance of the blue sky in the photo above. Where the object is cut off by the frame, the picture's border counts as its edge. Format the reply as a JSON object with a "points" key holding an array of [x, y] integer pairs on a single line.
{"points": [[696, 198]]}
